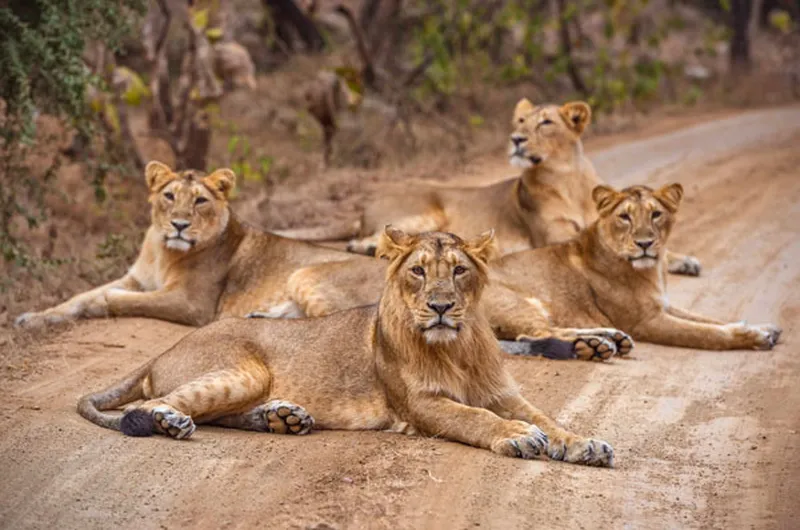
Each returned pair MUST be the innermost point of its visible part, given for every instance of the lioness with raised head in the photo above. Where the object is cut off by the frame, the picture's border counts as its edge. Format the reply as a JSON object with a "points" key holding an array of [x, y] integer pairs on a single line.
{"points": [[198, 262], [613, 275], [423, 360], [550, 202]]}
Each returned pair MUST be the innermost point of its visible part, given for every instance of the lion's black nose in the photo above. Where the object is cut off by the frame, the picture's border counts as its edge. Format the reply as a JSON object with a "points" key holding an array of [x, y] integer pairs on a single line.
{"points": [[180, 224], [517, 140], [644, 245], [441, 309]]}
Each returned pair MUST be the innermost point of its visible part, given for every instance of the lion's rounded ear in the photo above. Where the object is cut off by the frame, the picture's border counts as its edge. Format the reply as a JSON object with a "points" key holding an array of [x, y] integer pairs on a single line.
{"points": [[670, 196], [523, 108], [605, 198], [393, 243], [156, 175], [484, 247], [577, 114], [222, 180]]}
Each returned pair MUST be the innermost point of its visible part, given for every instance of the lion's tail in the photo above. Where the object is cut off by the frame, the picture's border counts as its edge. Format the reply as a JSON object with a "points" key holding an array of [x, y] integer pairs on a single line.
{"points": [[549, 347], [129, 389], [332, 232]]}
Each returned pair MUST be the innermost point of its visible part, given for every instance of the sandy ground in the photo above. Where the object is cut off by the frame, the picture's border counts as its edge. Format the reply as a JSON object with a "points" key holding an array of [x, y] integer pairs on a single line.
{"points": [[703, 439]]}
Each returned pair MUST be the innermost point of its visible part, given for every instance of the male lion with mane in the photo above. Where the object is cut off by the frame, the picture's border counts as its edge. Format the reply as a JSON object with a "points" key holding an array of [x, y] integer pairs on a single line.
{"points": [[198, 261], [421, 361], [550, 202]]}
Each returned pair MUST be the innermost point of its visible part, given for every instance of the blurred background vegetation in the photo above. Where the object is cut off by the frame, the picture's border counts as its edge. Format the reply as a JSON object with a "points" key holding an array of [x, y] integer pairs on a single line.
{"points": [[312, 101]]}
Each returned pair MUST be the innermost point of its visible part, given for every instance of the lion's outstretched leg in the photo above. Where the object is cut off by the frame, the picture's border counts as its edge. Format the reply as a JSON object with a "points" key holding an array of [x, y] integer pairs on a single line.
{"points": [[211, 396], [672, 330], [91, 304], [588, 344], [562, 444], [688, 315], [275, 416], [513, 317], [189, 307], [478, 427], [430, 221], [682, 264]]}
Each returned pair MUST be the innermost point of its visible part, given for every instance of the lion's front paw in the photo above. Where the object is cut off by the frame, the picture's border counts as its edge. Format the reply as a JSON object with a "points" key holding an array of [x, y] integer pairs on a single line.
{"points": [[282, 417], [688, 266], [34, 320], [528, 442], [594, 347], [764, 336], [360, 246], [172, 423], [585, 451]]}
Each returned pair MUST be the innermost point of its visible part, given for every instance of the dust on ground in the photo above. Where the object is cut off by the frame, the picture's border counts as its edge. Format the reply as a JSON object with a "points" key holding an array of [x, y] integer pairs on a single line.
{"points": [[703, 439]]}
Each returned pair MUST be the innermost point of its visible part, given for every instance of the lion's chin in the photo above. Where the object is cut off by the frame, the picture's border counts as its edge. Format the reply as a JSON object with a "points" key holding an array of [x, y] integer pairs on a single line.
{"points": [[440, 335], [520, 162], [180, 245], [645, 262]]}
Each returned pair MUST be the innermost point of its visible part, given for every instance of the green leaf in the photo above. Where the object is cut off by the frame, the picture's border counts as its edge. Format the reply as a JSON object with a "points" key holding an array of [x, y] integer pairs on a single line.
{"points": [[233, 142], [781, 20], [199, 18], [265, 164]]}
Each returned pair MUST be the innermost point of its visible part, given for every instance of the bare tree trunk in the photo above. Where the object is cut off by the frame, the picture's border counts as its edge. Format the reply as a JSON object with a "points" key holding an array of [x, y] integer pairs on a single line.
{"points": [[286, 14], [155, 32], [566, 49], [740, 41], [367, 68]]}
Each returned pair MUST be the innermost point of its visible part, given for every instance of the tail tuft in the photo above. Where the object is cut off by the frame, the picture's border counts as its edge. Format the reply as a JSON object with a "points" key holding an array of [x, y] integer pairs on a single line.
{"points": [[550, 348], [137, 422]]}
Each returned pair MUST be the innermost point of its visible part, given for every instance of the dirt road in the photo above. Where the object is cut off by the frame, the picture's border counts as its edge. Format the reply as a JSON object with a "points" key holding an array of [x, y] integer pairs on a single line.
{"points": [[703, 439]]}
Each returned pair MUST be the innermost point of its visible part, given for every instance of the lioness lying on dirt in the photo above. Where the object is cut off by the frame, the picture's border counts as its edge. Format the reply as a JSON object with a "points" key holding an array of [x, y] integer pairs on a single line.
{"points": [[612, 274], [550, 202], [423, 360], [198, 262]]}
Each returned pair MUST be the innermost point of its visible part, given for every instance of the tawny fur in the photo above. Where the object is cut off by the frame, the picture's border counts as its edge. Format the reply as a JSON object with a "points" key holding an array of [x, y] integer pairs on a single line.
{"points": [[587, 290], [215, 267], [550, 202], [424, 360]]}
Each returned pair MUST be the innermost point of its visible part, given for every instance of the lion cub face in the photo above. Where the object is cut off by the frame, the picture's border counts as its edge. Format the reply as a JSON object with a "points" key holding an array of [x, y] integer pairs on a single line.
{"points": [[188, 208], [439, 277], [636, 221], [546, 132]]}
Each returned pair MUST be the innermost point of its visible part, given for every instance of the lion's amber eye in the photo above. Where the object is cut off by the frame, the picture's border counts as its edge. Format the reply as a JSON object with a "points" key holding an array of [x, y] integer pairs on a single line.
{"points": [[459, 270], [656, 214], [169, 196], [419, 271], [625, 217], [200, 200]]}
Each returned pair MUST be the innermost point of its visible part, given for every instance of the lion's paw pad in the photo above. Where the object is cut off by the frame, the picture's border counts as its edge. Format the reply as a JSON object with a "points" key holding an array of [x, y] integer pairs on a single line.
{"points": [[594, 348], [589, 452], [284, 417], [623, 341], [173, 423]]}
